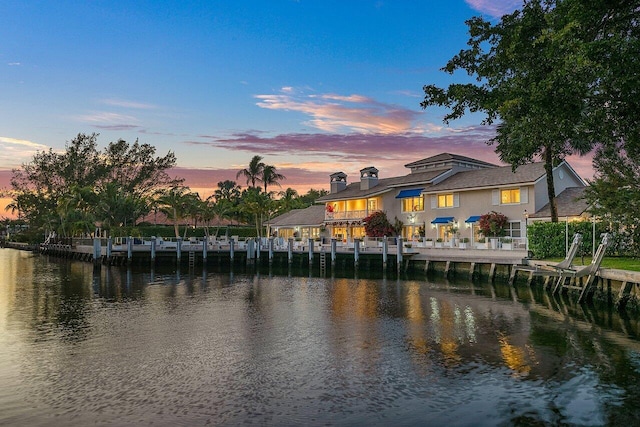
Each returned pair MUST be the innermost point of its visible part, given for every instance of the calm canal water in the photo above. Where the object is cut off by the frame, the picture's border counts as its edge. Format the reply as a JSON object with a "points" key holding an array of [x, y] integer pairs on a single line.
{"points": [[130, 347]]}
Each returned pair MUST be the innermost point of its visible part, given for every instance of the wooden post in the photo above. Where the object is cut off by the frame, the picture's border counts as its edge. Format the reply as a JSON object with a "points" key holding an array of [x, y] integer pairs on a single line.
{"points": [[334, 245], [310, 250], [129, 248], [258, 247], [290, 250], [205, 243], [250, 249], [179, 249], [231, 249], [109, 248], [385, 252], [271, 250], [356, 252], [399, 254], [153, 249], [97, 249]]}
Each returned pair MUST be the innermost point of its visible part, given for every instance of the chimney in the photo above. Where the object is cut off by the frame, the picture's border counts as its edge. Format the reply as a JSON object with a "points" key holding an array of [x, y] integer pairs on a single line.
{"points": [[338, 182], [368, 178]]}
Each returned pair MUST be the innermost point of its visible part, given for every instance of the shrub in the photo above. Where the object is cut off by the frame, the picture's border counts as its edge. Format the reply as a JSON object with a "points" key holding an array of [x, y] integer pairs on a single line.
{"points": [[377, 225], [493, 224]]}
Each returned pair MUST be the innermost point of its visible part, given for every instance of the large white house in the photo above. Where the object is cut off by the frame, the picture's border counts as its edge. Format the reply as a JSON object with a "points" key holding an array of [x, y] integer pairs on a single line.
{"points": [[442, 197]]}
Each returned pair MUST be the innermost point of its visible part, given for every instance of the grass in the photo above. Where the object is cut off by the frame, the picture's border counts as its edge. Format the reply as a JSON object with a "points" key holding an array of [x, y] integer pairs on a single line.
{"points": [[619, 263]]}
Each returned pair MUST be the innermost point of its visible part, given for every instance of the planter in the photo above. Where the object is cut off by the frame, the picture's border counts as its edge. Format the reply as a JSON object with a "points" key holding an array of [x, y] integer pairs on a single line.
{"points": [[481, 246], [494, 243], [438, 244], [506, 246], [462, 246]]}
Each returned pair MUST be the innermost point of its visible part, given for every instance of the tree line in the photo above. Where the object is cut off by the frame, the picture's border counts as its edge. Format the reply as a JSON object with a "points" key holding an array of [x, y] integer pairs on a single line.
{"points": [[83, 188]]}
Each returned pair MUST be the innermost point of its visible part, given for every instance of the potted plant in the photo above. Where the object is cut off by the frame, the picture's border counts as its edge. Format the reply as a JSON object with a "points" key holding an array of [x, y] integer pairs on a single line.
{"points": [[506, 243], [493, 226], [481, 243], [438, 242], [463, 243]]}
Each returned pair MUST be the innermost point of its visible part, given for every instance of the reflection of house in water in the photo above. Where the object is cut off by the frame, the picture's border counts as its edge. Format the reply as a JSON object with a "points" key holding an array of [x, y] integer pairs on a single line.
{"points": [[442, 328]]}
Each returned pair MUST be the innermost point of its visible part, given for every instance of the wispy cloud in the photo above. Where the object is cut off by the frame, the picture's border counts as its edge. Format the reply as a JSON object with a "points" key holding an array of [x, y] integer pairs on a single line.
{"points": [[109, 121], [14, 151], [117, 127], [128, 104], [343, 113], [14, 64], [495, 8]]}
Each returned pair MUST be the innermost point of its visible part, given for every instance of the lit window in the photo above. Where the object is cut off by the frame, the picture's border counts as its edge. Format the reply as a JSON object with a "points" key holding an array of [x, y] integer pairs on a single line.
{"points": [[510, 196], [413, 204], [445, 200]]}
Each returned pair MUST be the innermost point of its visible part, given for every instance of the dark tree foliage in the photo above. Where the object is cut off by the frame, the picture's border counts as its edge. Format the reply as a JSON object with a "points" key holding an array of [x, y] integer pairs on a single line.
{"points": [[111, 187], [614, 195], [557, 77]]}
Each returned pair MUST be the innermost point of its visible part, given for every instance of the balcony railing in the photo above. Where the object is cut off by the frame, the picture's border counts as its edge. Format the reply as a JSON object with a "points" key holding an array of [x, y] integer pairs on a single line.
{"points": [[333, 216]]}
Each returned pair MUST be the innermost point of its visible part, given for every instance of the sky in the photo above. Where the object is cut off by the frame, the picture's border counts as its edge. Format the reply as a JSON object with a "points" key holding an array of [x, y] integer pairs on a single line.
{"points": [[312, 86]]}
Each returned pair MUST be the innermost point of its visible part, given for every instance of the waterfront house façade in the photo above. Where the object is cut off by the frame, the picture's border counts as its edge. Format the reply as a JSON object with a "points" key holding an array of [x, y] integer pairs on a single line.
{"points": [[440, 199]]}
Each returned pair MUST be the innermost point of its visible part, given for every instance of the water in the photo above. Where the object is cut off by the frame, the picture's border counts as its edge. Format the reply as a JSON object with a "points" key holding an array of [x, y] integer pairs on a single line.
{"points": [[130, 347]]}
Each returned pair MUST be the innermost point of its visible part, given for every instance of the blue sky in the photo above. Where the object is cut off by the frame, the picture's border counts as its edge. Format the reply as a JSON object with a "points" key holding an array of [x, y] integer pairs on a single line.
{"points": [[314, 87]]}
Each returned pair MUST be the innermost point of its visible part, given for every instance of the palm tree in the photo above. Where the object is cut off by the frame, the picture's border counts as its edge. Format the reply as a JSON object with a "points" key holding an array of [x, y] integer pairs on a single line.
{"points": [[257, 204], [227, 190], [271, 176], [288, 200], [254, 172], [176, 203]]}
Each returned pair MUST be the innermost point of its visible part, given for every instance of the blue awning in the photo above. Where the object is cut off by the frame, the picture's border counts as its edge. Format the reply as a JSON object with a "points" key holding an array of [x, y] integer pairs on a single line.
{"points": [[442, 220], [473, 218], [415, 192]]}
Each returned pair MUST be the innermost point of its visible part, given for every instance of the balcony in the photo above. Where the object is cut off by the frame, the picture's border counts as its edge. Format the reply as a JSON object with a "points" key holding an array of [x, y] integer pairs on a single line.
{"points": [[348, 215]]}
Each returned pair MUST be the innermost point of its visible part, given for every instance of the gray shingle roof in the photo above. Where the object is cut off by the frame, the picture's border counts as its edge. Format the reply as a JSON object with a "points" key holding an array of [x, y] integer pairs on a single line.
{"points": [[447, 157], [570, 202], [353, 190], [311, 216], [491, 177]]}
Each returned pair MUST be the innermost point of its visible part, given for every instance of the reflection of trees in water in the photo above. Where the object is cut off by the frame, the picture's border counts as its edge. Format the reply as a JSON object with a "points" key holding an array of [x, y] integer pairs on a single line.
{"points": [[52, 297]]}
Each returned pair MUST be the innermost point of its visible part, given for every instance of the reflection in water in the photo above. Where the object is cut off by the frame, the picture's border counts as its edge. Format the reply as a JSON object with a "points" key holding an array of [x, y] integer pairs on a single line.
{"points": [[129, 346]]}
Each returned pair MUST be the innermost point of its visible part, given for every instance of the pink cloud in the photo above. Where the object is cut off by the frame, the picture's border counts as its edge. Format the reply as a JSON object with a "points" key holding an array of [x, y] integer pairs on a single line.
{"points": [[340, 113], [358, 147]]}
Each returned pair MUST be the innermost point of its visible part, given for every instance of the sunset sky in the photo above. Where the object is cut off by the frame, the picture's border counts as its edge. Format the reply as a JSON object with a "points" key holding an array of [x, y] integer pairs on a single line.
{"points": [[314, 87]]}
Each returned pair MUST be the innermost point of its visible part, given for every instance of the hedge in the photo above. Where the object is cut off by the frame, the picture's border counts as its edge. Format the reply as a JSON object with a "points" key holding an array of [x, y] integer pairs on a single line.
{"points": [[548, 239]]}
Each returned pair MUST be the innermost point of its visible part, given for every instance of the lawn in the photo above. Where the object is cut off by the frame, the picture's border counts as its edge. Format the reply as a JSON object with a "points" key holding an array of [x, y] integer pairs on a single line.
{"points": [[620, 263]]}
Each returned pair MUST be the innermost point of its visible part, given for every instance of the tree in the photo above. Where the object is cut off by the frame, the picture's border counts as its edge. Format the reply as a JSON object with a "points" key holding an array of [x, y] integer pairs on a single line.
{"points": [[227, 190], [535, 77], [177, 203], [254, 172], [311, 196], [258, 205], [288, 200], [121, 174], [614, 194], [270, 176], [136, 169]]}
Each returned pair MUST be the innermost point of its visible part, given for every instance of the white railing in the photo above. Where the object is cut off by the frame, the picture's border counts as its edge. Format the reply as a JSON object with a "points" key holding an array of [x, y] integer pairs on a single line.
{"points": [[349, 214]]}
